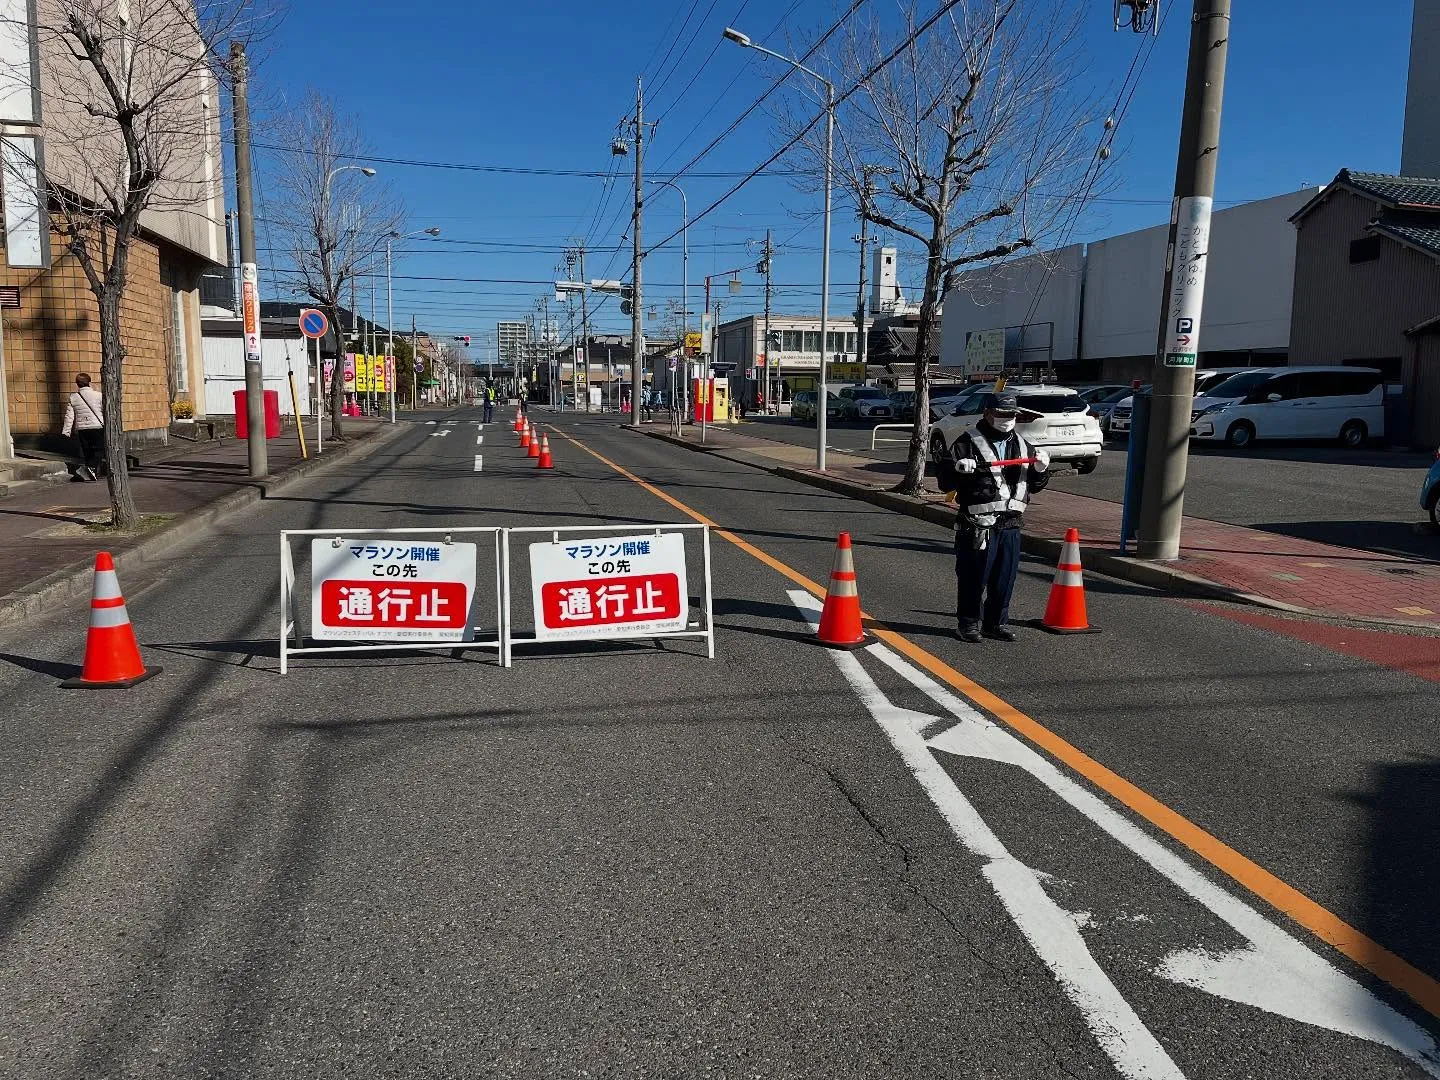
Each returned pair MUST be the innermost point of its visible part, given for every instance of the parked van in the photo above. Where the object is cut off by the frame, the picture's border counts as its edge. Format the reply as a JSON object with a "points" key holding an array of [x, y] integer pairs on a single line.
{"points": [[1344, 403]]}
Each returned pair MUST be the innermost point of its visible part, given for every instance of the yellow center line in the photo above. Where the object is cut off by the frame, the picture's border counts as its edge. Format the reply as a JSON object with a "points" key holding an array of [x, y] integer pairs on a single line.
{"points": [[1362, 949]]}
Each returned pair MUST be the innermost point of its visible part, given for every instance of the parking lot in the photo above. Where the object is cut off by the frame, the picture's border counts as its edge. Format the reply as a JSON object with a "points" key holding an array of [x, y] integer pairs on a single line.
{"points": [[1365, 499]]}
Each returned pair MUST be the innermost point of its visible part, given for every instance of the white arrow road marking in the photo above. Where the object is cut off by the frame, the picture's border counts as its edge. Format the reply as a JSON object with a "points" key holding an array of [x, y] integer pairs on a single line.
{"points": [[440, 434], [479, 462], [1051, 932], [1276, 973]]}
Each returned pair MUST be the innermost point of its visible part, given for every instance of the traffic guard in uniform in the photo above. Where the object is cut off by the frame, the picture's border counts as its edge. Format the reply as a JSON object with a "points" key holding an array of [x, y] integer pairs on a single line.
{"points": [[991, 497]]}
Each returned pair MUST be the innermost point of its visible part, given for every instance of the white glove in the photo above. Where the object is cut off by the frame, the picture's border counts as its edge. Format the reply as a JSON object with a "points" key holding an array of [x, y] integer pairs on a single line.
{"points": [[965, 465], [1042, 459]]}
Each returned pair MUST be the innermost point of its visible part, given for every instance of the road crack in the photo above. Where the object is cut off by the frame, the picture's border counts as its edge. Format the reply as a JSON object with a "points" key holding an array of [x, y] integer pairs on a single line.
{"points": [[907, 861]]}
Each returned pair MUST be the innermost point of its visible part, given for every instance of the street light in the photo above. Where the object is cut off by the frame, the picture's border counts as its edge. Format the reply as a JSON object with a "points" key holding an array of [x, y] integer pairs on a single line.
{"points": [[390, 309], [364, 170], [823, 395], [684, 259]]}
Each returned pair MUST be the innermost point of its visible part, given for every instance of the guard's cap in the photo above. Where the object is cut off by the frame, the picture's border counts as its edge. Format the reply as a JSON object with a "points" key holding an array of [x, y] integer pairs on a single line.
{"points": [[1002, 402]]}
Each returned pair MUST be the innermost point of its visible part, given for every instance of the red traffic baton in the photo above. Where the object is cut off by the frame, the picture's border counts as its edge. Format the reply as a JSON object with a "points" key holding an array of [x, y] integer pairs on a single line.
{"points": [[1012, 461]]}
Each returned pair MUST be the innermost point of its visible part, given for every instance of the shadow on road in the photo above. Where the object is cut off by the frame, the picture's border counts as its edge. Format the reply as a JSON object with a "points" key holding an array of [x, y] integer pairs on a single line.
{"points": [[1405, 539], [1402, 871]]}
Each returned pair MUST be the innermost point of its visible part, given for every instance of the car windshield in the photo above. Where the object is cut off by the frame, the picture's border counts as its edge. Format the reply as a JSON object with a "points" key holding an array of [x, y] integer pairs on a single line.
{"points": [[1117, 396], [1051, 403], [1237, 386], [870, 392]]}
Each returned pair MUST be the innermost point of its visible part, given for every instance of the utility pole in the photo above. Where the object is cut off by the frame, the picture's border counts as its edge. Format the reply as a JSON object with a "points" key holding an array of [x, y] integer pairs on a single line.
{"points": [[772, 362], [1167, 452], [637, 314], [249, 275], [414, 356], [584, 325]]}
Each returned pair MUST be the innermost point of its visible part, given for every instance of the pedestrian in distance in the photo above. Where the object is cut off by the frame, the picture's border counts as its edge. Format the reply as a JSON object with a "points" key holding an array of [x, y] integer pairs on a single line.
{"points": [[646, 403], [85, 416], [991, 498]]}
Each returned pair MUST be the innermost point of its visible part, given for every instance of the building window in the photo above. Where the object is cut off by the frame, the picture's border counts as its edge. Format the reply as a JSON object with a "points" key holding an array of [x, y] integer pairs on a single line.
{"points": [[812, 341], [180, 368], [791, 341], [1366, 249]]}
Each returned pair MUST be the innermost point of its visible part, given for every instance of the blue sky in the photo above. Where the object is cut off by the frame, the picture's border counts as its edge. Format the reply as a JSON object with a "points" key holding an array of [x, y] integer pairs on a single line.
{"points": [[1312, 87]]}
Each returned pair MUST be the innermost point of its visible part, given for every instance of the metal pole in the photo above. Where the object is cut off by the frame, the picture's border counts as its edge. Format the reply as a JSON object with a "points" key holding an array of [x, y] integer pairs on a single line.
{"points": [[637, 317], [373, 336], [860, 345], [414, 355], [1167, 453], [389, 331], [823, 397], [249, 276], [320, 396]]}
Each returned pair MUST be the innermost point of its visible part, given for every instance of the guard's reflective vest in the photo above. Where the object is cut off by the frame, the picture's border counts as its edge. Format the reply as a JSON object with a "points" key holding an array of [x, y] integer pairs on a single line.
{"points": [[997, 495]]}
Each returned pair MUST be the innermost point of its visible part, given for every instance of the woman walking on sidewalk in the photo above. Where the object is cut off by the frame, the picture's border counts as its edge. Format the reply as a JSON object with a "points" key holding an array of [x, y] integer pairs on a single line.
{"points": [[85, 415]]}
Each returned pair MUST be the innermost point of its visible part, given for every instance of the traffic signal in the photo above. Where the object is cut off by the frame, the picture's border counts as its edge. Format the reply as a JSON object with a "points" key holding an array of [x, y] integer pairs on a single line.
{"points": [[627, 299]]}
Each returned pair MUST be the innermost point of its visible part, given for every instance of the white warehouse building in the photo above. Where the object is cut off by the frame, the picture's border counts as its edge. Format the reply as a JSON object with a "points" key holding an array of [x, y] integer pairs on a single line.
{"points": [[1091, 311]]}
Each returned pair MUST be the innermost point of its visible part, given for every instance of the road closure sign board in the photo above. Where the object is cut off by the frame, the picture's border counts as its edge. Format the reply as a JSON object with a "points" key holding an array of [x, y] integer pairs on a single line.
{"points": [[383, 590], [609, 586]]}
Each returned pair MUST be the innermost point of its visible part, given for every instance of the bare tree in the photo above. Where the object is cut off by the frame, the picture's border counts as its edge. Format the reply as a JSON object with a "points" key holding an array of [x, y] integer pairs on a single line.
{"points": [[331, 219], [130, 95], [982, 133]]}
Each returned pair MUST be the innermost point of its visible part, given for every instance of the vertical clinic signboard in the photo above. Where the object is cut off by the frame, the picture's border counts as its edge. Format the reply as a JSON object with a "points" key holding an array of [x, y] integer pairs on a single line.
{"points": [[250, 310], [391, 590], [1187, 282], [609, 586]]}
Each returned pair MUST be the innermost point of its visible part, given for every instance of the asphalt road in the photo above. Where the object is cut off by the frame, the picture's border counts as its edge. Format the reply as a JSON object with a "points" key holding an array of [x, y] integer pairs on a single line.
{"points": [[1368, 499], [628, 860]]}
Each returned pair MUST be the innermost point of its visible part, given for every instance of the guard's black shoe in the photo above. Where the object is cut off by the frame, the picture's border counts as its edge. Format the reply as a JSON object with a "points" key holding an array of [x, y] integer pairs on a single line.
{"points": [[968, 633], [1000, 633]]}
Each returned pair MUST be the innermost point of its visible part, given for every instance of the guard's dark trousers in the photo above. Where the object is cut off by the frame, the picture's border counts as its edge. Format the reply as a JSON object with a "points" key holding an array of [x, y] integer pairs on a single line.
{"points": [[985, 579]]}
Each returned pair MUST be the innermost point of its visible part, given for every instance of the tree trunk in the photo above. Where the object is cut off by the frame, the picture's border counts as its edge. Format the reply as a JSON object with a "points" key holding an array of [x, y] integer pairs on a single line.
{"points": [[337, 377], [112, 360], [913, 482]]}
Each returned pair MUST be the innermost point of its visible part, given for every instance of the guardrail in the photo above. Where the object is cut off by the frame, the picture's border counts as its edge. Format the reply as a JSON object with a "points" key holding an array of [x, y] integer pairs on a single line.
{"points": [[875, 437]]}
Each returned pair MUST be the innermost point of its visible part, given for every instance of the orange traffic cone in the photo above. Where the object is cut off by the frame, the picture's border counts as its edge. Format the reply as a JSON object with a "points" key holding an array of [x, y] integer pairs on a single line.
{"points": [[112, 656], [525, 435], [840, 618], [518, 422], [546, 461], [1065, 613], [534, 445]]}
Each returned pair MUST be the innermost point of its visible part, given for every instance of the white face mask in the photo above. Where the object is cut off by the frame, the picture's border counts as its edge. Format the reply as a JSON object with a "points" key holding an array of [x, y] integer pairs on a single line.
{"points": [[1003, 424]]}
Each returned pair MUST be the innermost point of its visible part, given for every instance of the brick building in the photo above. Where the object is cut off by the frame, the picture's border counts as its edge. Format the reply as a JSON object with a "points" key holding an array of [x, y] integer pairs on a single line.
{"points": [[54, 333]]}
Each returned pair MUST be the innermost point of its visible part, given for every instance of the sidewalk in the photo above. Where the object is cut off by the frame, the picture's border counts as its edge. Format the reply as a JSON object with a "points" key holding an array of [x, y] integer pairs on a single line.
{"points": [[1217, 559], [48, 528]]}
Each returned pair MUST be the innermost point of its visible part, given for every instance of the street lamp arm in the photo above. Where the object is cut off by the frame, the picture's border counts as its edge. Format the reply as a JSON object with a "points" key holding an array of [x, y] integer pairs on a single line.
{"points": [[829, 86]]}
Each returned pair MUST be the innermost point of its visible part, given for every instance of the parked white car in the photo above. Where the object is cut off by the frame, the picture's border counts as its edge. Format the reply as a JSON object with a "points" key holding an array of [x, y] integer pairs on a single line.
{"points": [[1205, 381], [1054, 417], [1344, 403]]}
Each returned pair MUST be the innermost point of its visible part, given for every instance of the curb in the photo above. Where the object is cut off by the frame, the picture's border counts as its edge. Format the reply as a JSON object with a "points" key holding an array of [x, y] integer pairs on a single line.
{"points": [[1151, 575], [75, 580]]}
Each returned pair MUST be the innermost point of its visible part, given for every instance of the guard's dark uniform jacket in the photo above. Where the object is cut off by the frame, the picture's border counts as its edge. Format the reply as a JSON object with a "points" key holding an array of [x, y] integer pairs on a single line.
{"points": [[991, 503]]}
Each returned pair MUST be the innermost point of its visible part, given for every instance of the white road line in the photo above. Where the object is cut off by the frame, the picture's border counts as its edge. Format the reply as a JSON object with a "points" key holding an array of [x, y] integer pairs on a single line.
{"points": [[1136, 1053], [1276, 973], [430, 422], [479, 440], [479, 462]]}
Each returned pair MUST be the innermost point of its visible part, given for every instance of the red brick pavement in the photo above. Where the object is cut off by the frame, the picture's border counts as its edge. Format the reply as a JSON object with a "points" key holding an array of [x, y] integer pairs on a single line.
{"points": [[41, 528], [1345, 582]]}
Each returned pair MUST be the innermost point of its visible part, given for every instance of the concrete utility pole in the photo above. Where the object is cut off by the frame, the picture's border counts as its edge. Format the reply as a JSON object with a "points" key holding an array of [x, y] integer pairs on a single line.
{"points": [[772, 362], [584, 326], [637, 315], [1167, 453], [249, 275]]}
